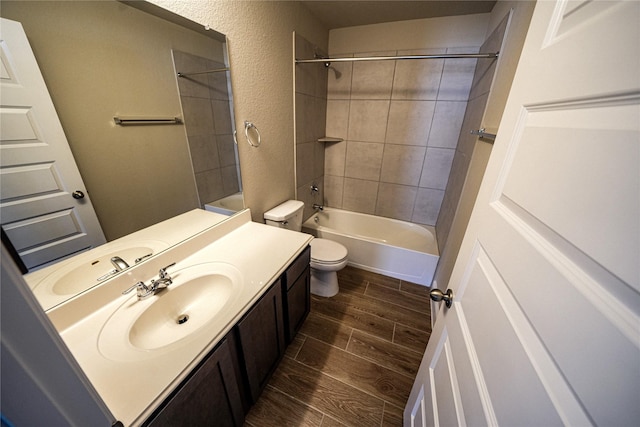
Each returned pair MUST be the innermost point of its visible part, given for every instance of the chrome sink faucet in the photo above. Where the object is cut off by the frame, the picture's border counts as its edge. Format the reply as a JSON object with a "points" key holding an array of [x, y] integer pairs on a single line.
{"points": [[119, 263], [144, 291], [164, 279]]}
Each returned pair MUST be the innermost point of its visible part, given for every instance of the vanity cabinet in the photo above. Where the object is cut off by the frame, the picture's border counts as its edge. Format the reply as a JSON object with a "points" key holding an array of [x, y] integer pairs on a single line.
{"points": [[209, 396], [224, 386], [296, 294], [261, 339]]}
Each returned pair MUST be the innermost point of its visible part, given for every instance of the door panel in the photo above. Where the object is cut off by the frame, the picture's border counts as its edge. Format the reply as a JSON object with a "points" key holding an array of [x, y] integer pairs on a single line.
{"points": [[547, 281], [37, 171], [538, 182], [505, 373]]}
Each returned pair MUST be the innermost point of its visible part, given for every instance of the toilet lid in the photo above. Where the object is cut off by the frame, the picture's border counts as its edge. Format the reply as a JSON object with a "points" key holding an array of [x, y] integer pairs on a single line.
{"points": [[327, 251]]}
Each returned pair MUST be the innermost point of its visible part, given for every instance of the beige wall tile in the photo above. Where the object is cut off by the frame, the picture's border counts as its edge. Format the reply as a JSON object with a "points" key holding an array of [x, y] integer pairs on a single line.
{"points": [[457, 76], [402, 164], [197, 116], [396, 201], [437, 165], [410, 122], [364, 160], [318, 123], [221, 117], [339, 80], [218, 82], [318, 159], [304, 195], [427, 206], [204, 152], [229, 180], [226, 150], [304, 162], [305, 73], [209, 185], [305, 111], [360, 195], [191, 86], [335, 154], [447, 122], [372, 79], [337, 118], [333, 190], [368, 120], [418, 79]]}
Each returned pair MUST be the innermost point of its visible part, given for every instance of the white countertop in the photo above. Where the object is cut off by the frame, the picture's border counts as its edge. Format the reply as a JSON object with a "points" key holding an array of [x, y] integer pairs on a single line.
{"points": [[133, 386]]}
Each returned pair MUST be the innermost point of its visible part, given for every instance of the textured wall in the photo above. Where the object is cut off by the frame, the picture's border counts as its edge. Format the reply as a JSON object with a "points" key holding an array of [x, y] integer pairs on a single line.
{"points": [[260, 45]]}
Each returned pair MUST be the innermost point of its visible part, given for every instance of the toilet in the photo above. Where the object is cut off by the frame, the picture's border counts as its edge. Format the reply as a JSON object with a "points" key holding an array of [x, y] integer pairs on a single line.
{"points": [[327, 256]]}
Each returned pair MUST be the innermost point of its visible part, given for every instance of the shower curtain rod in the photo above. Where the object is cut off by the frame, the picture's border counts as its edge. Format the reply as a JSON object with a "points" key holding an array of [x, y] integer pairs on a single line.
{"points": [[217, 70], [393, 58]]}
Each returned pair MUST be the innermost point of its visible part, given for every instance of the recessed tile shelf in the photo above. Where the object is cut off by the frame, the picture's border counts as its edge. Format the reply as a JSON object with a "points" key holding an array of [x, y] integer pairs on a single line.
{"points": [[330, 139]]}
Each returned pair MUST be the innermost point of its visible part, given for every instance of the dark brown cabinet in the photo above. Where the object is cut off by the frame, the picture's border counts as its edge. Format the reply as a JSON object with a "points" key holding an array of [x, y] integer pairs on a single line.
{"points": [[222, 388], [296, 293], [210, 396], [261, 339]]}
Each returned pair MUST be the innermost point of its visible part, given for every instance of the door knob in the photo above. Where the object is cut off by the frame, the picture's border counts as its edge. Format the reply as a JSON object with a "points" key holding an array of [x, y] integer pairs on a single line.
{"points": [[78, 194], [437, 295]]}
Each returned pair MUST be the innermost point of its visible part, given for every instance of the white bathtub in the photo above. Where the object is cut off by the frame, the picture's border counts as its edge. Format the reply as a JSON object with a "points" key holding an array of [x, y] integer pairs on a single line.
{"points": [[227, 205], [386, 246]]}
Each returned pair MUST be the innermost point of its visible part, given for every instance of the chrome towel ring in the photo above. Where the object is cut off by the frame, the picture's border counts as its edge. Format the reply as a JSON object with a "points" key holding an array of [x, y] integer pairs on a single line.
{"points": [[248, 126]]}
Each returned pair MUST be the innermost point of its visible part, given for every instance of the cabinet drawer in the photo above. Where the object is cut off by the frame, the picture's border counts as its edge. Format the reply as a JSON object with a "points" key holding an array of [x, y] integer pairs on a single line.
{"points": [[298, 267]]}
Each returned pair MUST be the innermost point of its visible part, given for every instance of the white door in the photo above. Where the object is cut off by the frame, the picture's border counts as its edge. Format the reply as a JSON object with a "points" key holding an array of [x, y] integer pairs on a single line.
{"points": [[544, 328], [44, 208]]}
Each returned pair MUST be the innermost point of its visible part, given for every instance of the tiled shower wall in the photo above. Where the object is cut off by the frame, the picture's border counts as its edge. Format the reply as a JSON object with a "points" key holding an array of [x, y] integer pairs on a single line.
{"points": [[400, 121], [207, 116], [311, 106], [478, 97]]}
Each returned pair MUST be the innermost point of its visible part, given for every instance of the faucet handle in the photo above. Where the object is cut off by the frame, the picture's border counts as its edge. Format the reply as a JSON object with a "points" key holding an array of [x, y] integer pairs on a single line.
{"points": [[140, 286], [162, 274]]}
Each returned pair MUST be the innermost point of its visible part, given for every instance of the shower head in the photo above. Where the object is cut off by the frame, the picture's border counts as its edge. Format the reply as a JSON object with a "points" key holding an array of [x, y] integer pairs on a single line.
{"points": [[336, 72]]}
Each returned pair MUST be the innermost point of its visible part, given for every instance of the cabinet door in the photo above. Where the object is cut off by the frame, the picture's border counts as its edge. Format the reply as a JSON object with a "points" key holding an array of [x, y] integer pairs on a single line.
{"points": [[297, 303], [209, 397], [261, 337], [296, 288]]}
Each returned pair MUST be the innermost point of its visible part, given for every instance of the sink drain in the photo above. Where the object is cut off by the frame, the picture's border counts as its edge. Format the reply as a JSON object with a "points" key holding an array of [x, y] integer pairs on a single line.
{"points": [[182, 319]]}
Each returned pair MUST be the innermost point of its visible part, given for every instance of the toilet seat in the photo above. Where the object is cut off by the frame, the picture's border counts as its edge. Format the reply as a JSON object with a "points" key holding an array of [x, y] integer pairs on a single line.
{"points": [[327, 253]]}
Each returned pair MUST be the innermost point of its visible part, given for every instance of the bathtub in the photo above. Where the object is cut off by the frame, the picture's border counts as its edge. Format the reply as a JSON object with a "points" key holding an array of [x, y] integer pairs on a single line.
{"points": [[386, 246], [227, 205]]}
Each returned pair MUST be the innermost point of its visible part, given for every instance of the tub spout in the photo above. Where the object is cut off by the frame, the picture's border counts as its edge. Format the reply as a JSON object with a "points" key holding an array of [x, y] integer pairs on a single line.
{"points": [[318, 207]]}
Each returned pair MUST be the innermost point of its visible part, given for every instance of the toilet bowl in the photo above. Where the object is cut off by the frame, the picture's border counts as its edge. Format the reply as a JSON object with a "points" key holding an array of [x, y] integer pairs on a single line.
{"points": [[327, 256]]}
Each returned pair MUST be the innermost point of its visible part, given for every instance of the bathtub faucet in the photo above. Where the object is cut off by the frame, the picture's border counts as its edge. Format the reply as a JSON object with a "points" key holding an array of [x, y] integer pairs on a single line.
{"points": [[318, 207]]}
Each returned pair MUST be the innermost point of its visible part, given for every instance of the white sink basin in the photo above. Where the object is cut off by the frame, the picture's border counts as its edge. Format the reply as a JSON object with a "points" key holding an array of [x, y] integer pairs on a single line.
{"points": [[53, 286], [163, 322], [94, 269]]}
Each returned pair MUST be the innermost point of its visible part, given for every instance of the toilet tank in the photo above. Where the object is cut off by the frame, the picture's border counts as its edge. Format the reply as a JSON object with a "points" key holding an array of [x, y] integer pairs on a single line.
{"points": [[287, 215]]}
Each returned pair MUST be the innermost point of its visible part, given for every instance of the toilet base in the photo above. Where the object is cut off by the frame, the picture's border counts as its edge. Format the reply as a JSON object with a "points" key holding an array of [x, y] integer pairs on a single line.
{"points": [[324, 283]]}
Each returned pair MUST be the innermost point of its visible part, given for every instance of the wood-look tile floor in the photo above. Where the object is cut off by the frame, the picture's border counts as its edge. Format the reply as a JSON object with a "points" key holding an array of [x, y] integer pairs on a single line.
{"points": [[355, 358]]}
